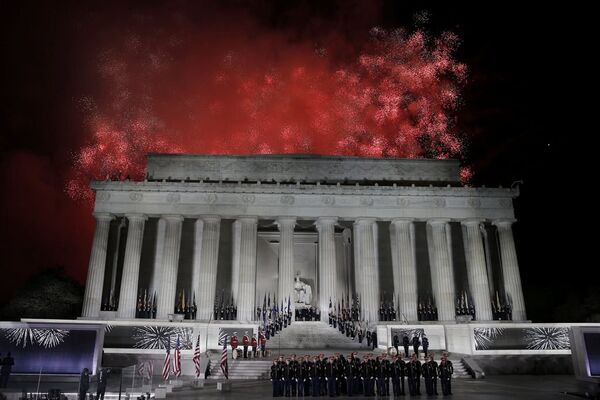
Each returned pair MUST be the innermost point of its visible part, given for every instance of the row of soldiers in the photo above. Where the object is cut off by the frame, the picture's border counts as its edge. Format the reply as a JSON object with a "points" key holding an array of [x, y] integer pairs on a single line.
{"points": [[275, 325], [308, 314], [353, 376]]}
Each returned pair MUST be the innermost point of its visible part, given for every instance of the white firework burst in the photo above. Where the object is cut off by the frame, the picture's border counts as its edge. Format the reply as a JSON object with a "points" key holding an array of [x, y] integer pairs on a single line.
{"points": [[157, 337], [484, 337], [20, 336], [47, 338], [50, 338], [551, 338]]}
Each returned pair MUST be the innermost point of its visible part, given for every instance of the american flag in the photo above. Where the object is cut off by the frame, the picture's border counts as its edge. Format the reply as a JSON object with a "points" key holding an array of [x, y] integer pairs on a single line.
{"points": [[196, 358], [177, 360], [224, 366], [149, 369], [167, 364]]}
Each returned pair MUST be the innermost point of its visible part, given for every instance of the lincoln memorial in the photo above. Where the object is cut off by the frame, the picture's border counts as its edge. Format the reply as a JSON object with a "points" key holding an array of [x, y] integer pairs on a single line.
{"points": [[315, 229]]}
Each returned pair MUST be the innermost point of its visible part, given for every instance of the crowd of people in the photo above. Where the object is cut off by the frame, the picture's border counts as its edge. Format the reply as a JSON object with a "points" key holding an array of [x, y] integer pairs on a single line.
{"points": [[354, 376]]}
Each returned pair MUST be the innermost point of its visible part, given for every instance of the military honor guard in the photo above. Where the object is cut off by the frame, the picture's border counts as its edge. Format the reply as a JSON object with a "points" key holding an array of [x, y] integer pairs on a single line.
{"points": [[245, 343], [414, 376], [405, 344], [445, 371], [430, 373], [425, 345], [416, 343], [233, 342]]}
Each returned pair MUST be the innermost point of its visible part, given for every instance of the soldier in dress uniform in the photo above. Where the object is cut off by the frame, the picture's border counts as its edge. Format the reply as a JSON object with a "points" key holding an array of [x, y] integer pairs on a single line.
{"points": [[414, 376], [445, 371], [315, 376], [287, 377], [396, 343], [367, 375], [385, 375], [263, 344], [254, 344], [245, 343], [369, 339], [275, 378], [395, 375], [349, 375], [374, 340], [331, 376], [435, 372], [416, 343], [405, 344], [296, 375], [234, 344], [425, 344], [304, 381]]}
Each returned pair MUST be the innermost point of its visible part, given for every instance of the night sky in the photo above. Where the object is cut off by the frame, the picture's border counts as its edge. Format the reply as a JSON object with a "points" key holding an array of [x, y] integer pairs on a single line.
{"points": [[71, 69]]}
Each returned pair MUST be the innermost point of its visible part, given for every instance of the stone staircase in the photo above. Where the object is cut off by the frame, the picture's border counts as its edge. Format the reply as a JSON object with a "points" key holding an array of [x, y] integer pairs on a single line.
{"points": [[313, 335], [243, 369], [460, 372]]}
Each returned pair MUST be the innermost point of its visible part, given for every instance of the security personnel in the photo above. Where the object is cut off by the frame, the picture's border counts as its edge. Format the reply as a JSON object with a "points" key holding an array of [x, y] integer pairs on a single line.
{"points": [[416, 343], [445, 373], [430, 373], [405, 344], [414, 376], [245, 343], [425, 344], [254, 344], [274, 378], [234, 344]]}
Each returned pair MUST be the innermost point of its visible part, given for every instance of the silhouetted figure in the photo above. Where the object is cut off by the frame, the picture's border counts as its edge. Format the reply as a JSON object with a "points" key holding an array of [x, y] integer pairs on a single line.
{"points": [[84, 383], [7, 364], [102, 381]]}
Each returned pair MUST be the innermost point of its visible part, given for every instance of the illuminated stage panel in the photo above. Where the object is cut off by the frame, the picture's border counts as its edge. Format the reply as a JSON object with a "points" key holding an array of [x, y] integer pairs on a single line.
{"points": [[592, 345], [50, 348]]}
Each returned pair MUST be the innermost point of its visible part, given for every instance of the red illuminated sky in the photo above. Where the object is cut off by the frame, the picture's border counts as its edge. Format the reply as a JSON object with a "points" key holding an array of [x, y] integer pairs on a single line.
{"points": [[90, 87]]}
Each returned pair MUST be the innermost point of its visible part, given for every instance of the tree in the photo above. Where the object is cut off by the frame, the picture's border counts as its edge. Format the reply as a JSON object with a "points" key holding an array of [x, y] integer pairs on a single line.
{"points": [[49, 294]]}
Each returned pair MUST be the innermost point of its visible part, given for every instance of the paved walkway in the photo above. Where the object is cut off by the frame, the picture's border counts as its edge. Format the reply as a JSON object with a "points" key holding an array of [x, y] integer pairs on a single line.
{"points": [[492, 388], [530, 387]]}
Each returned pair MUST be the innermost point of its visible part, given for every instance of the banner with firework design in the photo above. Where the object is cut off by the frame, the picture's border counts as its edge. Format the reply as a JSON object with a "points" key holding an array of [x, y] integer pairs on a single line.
{"points": [[148, 337], [51, 348], [533, 338]]}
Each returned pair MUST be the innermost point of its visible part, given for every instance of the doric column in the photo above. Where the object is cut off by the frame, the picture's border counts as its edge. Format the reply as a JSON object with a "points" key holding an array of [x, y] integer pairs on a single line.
{"points": [[95, 278], [115, 260], [131, 267], [286, 259], [477, 268], [358, 283], [236, 232], [158, 257], [402, 233], [327, 264], [442, 275], [510, 269], [247, 269], [206, 257], [170, 263], [368, 267]]}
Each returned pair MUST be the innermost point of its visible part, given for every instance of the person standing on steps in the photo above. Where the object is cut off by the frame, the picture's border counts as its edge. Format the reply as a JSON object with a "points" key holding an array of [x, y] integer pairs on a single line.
{"points": [[405, 344]]}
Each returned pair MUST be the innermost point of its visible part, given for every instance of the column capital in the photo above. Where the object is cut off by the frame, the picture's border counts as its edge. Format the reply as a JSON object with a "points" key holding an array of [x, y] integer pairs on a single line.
{"points": [[101, 216], [364, 221], [247, 219], [438, 221], [285, 222], [504, 223], [326, 221], [136, 217], [210, 218], [172, 217], [402, 221], [472, 221]]}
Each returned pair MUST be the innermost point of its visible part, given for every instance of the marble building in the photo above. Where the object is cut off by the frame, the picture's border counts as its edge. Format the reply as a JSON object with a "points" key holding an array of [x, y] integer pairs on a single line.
{"points": [[398, 230]]}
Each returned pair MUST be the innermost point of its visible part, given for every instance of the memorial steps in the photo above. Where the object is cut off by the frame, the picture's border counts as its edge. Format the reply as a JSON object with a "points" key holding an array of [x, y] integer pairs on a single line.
{"points": [[313, 335]]}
